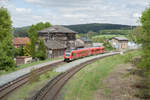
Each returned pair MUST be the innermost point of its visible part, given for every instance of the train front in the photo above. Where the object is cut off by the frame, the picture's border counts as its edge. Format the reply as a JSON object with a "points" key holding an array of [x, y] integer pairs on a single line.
{"points": [[67, 55]]}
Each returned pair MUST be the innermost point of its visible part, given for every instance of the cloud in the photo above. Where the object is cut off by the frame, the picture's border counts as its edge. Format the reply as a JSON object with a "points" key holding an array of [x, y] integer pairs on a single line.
{"points": [[23, 10], [76, 11]]}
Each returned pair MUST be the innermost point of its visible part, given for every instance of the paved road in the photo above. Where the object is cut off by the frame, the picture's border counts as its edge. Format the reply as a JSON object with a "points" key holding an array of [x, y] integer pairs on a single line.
{"points": [[72, 64], [12, 76]]}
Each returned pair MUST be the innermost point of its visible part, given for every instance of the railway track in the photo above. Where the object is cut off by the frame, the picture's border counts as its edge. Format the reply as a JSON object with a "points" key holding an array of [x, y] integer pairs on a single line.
{"points": [[51, 90], [13, 85]]}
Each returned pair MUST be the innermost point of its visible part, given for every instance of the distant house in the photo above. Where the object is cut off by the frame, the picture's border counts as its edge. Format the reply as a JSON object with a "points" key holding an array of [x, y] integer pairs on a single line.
{"points": [[57, 39], [19, 41], [87, 42], [119, 43]]}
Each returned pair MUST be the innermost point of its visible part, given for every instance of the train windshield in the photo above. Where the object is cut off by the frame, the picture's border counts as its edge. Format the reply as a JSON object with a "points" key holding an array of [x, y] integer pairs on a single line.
{"points": [[67, 54]]}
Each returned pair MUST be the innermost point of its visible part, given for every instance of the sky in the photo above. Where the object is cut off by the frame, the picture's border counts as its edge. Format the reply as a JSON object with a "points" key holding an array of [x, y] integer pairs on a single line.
{"points": [[70, 12]]}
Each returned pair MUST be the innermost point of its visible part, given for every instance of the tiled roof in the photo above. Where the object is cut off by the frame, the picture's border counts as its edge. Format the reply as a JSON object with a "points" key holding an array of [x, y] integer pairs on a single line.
{"points": [[53, 44], [20, 40], [57, 29]]}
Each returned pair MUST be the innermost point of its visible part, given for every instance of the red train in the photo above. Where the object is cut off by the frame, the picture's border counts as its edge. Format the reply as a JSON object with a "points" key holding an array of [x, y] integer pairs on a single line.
{"points": [[75, 54]]}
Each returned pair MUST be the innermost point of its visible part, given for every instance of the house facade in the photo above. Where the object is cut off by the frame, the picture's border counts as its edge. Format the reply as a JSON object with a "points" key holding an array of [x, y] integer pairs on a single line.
{"points": [[120, 43]]}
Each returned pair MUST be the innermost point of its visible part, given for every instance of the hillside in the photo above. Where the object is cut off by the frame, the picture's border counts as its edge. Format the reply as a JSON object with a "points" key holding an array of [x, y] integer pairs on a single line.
{"points": [[21, 31], [80, 28], [96, 27]]}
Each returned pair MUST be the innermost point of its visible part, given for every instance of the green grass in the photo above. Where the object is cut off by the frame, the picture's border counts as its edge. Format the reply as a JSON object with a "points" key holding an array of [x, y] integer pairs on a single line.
{"points": [[108, 36], [85, 83], [2, 72], [28, 90]]}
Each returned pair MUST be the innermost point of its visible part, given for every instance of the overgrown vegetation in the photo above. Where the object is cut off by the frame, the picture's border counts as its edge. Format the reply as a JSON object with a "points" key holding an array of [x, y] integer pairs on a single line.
{"points": [[6, 55], [141, 35], [87, 81]]}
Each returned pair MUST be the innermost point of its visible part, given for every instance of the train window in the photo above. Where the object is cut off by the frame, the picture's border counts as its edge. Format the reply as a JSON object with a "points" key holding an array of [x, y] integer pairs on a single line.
{"points": [[72, 54]]}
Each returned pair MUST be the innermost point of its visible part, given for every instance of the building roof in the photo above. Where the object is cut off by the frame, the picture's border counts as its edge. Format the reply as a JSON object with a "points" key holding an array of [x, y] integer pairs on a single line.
{"points": [[22, 57], [85, 39], [120, 38], [20, 41], [53, 44], [57, 29]]}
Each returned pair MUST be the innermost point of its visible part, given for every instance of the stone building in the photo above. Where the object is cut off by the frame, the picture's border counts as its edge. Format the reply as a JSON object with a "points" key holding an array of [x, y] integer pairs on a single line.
{"points": [[57, 39], [120, 43]]}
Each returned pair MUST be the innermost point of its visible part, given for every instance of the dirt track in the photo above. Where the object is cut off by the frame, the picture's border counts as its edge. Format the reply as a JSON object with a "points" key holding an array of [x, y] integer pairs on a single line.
{"points": [[119, 85]]}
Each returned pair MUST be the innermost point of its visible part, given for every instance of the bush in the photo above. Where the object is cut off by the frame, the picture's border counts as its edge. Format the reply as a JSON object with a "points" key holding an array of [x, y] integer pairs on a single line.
{"points": [[128, 58]]}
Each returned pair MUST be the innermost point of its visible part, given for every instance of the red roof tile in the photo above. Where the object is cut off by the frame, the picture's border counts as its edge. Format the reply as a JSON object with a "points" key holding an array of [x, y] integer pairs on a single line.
{"points": [[20, 40]]}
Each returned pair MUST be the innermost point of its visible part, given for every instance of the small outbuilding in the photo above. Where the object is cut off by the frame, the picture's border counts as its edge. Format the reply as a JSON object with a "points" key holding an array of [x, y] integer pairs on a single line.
{"points": [[119, 43], [23, 60]]}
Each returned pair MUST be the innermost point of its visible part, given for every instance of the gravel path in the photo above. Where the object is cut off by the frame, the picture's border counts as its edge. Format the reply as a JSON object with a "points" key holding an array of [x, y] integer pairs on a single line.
{"points": [[12, 76]]}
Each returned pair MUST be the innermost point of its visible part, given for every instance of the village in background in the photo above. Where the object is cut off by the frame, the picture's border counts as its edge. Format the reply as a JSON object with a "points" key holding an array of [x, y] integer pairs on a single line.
{"points": [[57, 39]]}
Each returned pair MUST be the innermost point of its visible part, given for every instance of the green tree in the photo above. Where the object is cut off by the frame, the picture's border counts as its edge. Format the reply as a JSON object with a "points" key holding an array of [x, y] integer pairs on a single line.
{"points": [[6, 58], [77, 36], [107, 46], [27, 49], [144, 37], [32, 32], [136, 34], [19, 51], [41, 52]]}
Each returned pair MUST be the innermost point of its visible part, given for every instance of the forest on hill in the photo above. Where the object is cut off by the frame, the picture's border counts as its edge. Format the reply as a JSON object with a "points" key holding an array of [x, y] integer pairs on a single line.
{"points": [[80, 28], [97, 27]]}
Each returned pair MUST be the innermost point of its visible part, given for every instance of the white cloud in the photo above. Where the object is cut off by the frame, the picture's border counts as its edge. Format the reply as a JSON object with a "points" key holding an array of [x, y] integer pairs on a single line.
{"points": [[77, 11], [23, 10], [136, 15]]}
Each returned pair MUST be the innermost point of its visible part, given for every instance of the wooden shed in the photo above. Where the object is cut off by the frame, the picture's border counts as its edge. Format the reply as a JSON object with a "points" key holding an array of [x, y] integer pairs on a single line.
{"points": [[23, 60]]}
